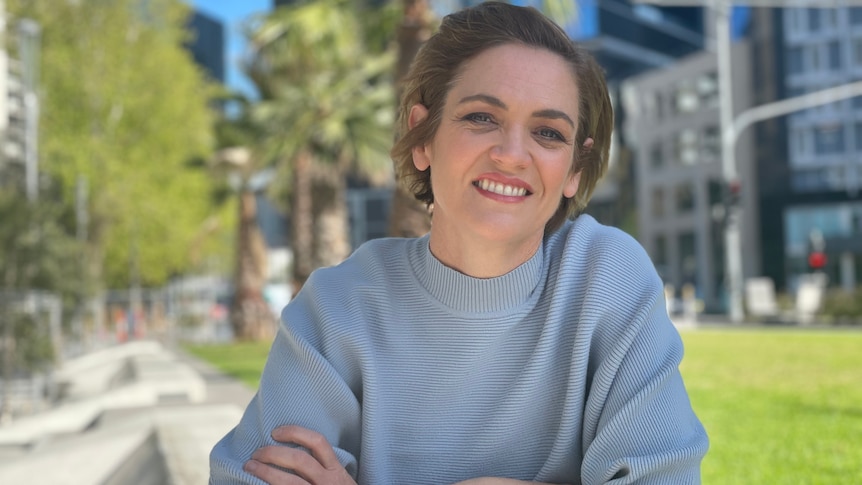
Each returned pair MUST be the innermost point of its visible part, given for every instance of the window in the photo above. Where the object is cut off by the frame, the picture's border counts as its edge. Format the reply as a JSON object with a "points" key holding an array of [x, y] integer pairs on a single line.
{"points": [[711, 142], [829, 139], [684, 198], [688, 257], [835, 55], [856, 15], [707, 88], [657, 202], [798, 142], [857, 51], [686, 98], [659, 256], [814, 20], [795, 62], [686, 147], [656, 157], [858, 132]]}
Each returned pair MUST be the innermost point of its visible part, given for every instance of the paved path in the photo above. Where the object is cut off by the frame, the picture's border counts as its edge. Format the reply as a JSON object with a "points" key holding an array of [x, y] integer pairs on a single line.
{"points": [[136, 413]]}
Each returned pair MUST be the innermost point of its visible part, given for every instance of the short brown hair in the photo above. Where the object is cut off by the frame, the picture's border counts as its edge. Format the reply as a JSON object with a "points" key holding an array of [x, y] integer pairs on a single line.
{"points": [[464, 35]]}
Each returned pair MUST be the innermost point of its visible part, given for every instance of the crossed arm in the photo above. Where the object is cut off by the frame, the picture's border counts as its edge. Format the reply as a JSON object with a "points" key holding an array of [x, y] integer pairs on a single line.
{"points": [[318, 465]]}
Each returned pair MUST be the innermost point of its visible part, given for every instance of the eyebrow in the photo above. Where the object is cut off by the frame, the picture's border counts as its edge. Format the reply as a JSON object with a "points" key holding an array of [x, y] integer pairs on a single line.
{"points": [[494, 101]]}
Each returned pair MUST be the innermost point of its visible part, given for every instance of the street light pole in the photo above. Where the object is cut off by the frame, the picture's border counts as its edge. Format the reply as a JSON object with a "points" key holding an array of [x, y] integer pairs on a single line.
{"points": [[732, 237]]}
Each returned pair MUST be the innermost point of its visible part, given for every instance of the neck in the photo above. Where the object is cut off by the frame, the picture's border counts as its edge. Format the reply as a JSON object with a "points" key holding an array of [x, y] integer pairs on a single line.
{"points": [[481, 259]]}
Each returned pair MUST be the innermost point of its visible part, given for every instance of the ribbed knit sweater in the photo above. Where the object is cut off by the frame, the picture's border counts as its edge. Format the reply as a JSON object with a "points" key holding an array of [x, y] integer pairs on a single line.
{"points": [[564, 370]]}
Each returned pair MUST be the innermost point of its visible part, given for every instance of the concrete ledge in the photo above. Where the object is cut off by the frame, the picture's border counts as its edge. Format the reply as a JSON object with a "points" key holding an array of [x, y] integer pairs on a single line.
{"points": [[147, 446], [158, 377]]}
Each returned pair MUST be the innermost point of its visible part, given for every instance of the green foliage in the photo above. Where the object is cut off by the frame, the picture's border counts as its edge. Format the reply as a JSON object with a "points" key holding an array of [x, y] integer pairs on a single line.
{"points": [[124, 106], [33, 348], [37, 253], [780, 406], [840, 306], [326, 80]]}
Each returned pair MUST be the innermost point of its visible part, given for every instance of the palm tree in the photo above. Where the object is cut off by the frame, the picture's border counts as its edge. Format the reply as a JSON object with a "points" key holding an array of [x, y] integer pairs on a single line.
{"points": [[237, 160], [326, 110], [250, 316], [408, 217]]}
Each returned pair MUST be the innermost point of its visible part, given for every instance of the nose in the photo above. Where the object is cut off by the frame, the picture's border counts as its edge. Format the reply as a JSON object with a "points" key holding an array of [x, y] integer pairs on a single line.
{"points": [[511, 149]]}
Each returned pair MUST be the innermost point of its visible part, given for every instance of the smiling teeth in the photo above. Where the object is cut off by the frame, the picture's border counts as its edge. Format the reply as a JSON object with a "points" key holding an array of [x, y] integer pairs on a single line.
{"points": [[502, 189]]}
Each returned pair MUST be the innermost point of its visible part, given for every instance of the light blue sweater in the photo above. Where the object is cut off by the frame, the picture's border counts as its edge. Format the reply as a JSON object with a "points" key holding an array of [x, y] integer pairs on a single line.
{"points": [[564, 370]]}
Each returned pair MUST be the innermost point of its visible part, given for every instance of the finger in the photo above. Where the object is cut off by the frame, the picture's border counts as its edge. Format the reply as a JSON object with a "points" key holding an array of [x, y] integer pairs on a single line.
{"points": [[294, 459], [272, 476], [315, 442]]}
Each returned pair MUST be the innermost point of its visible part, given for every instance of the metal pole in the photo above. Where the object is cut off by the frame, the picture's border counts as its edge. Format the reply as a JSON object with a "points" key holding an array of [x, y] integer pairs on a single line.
{"points": [[31, 160], [732, 239], [28, 46]]}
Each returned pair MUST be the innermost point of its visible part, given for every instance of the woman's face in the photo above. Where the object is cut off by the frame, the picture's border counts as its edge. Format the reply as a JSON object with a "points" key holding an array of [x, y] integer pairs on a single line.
{"points": [[502, 156]]}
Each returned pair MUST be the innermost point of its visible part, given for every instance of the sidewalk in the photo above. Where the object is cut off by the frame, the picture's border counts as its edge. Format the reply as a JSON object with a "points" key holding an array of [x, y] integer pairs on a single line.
{"points": [[133, 413]]}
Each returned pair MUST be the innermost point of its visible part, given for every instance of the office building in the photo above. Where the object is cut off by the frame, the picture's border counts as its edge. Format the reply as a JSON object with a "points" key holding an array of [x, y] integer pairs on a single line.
{"points": [[673, 120], [812, 182], [207, 44]]}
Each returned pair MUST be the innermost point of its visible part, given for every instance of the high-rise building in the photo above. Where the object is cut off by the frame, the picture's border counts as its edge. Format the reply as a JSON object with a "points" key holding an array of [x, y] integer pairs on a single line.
{"points": [[207, 44], [19, 103], [812, 185]]}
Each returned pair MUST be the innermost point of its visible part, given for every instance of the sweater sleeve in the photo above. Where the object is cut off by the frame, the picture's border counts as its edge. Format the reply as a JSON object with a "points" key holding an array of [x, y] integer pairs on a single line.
{"points": [[299, 386], [645, 430]]}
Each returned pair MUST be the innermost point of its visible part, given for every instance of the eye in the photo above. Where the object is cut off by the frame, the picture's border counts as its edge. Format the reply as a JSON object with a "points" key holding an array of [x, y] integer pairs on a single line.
{"points": [[550, 134], [479, 118]]}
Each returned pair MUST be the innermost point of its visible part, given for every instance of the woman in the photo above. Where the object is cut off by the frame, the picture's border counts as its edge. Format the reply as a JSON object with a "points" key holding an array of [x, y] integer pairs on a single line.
{"points": [[510, 344]]}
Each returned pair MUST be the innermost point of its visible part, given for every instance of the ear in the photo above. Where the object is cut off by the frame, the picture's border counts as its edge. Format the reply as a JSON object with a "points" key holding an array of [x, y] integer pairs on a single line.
{"points": [[421, 156], [572, 184]]}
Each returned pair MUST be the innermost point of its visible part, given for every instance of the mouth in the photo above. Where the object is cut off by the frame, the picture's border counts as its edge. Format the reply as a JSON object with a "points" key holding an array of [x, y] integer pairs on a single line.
{"points": [[501, 189]]}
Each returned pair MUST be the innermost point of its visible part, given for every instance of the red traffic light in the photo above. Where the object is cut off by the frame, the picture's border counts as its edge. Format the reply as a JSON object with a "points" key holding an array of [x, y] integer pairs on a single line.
{"points": [[817, 260]]}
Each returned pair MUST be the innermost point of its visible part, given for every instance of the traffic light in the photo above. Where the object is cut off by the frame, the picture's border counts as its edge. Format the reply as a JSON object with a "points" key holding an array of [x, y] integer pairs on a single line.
{"points": [[816, 250], [733, 193], [816, 260]]}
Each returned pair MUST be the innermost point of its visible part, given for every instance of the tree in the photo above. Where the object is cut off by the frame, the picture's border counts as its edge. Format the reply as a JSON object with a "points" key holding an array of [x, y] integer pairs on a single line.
{"points": [[250, 316], [124, 108], [409, 217], [326, 111], [38, 255]]}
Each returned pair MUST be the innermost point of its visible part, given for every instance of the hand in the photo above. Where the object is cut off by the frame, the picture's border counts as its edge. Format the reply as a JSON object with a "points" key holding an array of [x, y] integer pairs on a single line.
{"points": [[319, 467]]}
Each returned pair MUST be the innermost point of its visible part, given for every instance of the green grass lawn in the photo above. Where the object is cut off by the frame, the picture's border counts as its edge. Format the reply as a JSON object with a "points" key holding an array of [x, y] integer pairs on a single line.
{"points": [[241, 360], [781, 406]]}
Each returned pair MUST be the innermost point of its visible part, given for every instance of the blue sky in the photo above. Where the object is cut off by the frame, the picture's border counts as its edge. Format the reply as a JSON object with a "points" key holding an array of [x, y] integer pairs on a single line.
{"points": [[232, 13]]}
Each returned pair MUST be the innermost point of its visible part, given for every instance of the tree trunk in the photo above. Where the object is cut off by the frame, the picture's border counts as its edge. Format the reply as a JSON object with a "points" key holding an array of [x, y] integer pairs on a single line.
{"points": [[302, 220], [409, 217], [250, 316], [331, 234]]}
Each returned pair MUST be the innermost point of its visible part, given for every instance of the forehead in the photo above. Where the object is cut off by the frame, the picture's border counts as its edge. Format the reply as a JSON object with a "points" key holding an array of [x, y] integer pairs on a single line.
{"points": [[520, 74]]}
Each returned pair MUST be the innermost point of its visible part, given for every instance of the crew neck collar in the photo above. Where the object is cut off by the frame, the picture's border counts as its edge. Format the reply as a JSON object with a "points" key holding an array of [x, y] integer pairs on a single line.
{"points": [[475, 295]]}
